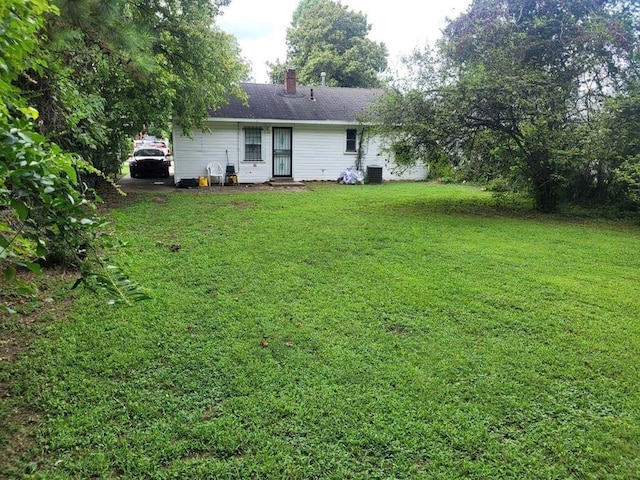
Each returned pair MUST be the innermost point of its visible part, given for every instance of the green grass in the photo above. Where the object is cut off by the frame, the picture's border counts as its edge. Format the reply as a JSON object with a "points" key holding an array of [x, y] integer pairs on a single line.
{"points": [[124, 171], [394, 331]]}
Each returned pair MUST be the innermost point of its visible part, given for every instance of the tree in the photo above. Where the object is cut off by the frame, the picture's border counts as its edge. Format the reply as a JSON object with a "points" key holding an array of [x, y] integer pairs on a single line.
{"points": [[117, 66], [533, 74], [620, 142], [276, 72], [325, 36], [43, 213]]}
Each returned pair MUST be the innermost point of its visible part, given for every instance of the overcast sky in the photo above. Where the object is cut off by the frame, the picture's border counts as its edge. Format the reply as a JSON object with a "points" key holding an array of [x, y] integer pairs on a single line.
{"points": [[261, 26]]}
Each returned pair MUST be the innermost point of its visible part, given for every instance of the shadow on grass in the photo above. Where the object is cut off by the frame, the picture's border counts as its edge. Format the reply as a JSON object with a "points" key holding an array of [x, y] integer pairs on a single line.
{"points": [[511, 206], [480, 207]]}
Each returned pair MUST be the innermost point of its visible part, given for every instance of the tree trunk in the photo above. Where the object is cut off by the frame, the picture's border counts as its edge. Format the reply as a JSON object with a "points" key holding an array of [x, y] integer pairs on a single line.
{"points": [[543, 184]]}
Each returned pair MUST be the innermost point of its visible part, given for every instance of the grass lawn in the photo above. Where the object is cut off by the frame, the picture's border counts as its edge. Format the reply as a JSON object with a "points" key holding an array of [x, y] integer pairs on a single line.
{"points": [[389, 331]]}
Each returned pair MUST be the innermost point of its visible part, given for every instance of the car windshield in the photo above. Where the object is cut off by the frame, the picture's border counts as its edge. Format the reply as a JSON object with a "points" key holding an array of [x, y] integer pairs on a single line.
{"points": [[149, 152]]}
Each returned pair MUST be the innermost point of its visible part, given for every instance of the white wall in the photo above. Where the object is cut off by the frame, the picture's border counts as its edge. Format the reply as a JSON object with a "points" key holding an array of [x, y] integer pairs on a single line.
{"points": [[191, 155], [318, 153]]}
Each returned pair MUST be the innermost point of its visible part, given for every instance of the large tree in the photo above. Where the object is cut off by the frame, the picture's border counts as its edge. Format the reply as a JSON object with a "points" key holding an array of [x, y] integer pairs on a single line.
{"points": [[518, 82], [325, 36], [118, 67]]}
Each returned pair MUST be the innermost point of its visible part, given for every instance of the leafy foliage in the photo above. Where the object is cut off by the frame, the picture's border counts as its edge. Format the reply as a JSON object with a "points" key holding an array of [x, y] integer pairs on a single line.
{"points": [[118, 68], [325, 36], [515, 88], [619, 143], [47, 218], [627, 181]]}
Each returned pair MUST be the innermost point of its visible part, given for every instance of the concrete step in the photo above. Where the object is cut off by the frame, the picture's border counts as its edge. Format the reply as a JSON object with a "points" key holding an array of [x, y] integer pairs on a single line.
{"points": [[285, 182]]}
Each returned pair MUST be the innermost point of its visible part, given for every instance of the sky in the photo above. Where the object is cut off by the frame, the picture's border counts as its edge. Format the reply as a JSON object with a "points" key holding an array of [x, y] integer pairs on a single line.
{"points": [[261, 26]]}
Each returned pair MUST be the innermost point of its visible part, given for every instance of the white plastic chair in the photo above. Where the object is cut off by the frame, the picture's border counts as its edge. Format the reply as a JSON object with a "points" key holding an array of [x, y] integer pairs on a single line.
{"points": [[214, 170]]}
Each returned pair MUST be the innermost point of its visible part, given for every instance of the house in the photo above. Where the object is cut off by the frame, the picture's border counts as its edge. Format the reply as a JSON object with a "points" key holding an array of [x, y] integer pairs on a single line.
{"points": [[286, 132]]}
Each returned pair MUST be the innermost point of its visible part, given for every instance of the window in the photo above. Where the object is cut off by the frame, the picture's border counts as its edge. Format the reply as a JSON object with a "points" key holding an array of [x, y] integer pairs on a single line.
{"points": [[352, 135], [253, 144]]}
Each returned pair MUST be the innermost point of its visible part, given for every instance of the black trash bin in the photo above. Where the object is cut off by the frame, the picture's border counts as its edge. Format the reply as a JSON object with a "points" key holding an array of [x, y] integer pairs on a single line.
{"points": [[374, 174]]}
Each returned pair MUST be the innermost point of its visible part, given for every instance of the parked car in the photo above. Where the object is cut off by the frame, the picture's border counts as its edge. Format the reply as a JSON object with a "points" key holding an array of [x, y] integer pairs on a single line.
{"points": [[162, 145], [153, 142], [149, 162]]}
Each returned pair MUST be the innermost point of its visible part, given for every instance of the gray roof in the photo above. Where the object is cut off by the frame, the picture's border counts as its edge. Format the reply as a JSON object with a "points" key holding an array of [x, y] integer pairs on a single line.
{"points": [[268, 101]]}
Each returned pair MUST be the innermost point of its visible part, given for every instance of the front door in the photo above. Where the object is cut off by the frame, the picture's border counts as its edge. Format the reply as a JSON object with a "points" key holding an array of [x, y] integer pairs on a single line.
{"points": [[282, 152]]}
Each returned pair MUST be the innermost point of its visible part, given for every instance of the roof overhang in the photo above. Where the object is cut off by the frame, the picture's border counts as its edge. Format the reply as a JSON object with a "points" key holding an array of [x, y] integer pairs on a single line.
{"points": [[270, 121]]}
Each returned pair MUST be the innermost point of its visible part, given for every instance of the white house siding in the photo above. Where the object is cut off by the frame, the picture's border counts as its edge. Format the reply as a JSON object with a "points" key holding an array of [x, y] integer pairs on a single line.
{"points": [[192, 154], [318, 153]]}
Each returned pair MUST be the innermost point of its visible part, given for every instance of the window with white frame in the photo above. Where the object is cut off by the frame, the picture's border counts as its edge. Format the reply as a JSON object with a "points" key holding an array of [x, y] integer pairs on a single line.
{"points": [[252, 144], [352, 140]]}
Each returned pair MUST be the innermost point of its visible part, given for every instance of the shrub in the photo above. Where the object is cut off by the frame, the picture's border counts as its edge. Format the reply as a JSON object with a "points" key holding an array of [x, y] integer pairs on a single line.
{"points": [[626, 183]]}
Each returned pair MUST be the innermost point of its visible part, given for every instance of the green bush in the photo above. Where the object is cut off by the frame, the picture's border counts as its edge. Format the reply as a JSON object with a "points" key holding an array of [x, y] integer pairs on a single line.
{"points": [[499, 185], [47, 218], [626, 183]]}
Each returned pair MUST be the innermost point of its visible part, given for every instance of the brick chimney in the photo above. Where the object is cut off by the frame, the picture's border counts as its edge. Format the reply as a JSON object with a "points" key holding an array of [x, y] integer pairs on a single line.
{"points": [[290, 81]]}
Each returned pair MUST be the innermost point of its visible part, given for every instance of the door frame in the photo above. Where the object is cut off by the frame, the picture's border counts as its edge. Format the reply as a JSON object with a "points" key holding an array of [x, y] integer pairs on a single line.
{"points": [[273, 151]]}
